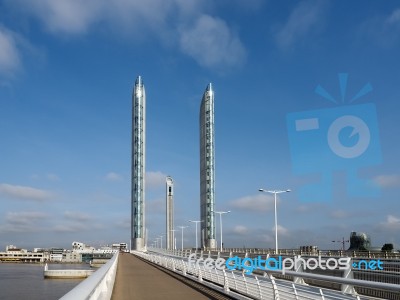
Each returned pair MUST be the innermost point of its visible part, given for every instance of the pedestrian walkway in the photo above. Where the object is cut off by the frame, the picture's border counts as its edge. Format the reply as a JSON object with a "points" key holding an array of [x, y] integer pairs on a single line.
{"points": [[137, 280]]}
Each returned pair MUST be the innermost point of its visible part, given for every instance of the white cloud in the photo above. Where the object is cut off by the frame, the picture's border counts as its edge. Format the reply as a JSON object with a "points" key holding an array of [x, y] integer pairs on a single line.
{"points": [[240, 230], [24, 192], [124, 224], [393, 220], [305, 18], [66, 16], [72, 227], [391, 223], [156, 206], [281, 230], [211, 43], [155, 179], [48, 176], [248, 5], [387, 181], [79, 17], [9, 54], [339, 214], [382, 29], [77, 216], [112, 176], [307, 208], [257, 203], [267, 238], [52, 177], [394, 18], [24, 217], [22, 222]]}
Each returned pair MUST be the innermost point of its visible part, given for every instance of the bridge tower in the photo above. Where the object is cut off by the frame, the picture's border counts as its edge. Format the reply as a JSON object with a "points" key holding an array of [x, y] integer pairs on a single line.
{"points": [[207, 169], [138, 165]]}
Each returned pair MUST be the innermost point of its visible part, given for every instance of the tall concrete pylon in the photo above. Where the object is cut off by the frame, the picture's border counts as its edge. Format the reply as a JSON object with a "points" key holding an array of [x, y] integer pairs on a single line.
{"points": [[138, 166]]}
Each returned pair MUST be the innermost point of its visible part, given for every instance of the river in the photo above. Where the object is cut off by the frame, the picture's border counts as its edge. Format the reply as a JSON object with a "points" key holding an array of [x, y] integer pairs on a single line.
{"points": [[26, 281]]}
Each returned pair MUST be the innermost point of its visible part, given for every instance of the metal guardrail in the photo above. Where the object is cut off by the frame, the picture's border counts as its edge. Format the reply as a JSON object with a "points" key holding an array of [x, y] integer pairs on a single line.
{"points": [[240, 286], [97, 286], [390, 274], [349, 253]]}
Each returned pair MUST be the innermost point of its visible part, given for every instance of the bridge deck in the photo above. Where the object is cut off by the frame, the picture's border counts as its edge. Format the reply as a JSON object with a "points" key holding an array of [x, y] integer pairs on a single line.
{"points": [[138, 280]]}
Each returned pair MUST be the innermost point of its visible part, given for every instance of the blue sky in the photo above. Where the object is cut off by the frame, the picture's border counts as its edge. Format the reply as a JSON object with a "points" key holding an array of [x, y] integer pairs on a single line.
{"points": [[67, 70]]}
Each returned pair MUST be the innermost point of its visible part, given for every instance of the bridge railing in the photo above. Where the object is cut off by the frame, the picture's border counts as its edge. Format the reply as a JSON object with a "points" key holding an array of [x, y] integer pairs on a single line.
{"points": [[293, 252], [389, 274], [97, 286], [266, 286]]}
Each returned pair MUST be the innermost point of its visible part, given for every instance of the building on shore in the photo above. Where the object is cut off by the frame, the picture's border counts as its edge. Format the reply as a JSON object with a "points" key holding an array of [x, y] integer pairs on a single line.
{"points": [[71, 257], [79, 253], [14, 254], [359, 241]]}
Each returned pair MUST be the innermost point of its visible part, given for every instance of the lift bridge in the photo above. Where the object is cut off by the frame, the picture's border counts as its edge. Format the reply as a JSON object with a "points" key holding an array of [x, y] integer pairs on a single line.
{"points": [[171, 274]]}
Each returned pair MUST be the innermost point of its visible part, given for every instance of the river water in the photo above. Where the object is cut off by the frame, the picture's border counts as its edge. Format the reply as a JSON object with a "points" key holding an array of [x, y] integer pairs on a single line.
{"points": [[26, 281]]}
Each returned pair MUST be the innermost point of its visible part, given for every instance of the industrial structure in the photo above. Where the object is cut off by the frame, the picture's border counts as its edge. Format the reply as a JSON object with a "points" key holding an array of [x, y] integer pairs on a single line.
{"points": [[359, 241], [138, 165], [207, 169], [170, 213]]}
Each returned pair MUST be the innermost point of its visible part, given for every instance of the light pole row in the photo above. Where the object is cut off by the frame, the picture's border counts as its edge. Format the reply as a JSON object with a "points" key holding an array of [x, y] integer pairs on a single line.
{"points": [[220, 222], [226, 212], [182, 227], [159, 238], [276, 218], [196, 222]]}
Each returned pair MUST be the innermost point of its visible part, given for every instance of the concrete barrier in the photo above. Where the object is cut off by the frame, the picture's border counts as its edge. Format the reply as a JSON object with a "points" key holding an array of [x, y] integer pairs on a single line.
{"points": [[66, 274], [98, 286]]}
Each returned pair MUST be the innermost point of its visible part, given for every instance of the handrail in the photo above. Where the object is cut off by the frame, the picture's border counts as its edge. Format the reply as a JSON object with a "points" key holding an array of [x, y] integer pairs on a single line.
{"points": [[291, 252], [99, 285], [256, 287], [347, 281]]}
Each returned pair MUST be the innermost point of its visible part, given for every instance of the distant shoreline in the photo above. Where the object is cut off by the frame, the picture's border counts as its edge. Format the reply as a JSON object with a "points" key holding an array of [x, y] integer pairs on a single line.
{"points": [[44, 262]]}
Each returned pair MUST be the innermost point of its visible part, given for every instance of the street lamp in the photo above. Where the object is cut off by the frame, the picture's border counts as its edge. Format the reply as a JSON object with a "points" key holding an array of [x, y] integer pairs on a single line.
{"points": [[220, 221], [182, 227], [161, 236], [196, 229], [173, 238], [276, 218]]}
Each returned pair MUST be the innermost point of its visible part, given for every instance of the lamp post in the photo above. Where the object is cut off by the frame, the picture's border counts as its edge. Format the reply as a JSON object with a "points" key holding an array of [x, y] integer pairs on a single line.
{"points": [[173, 238], [196, 229], [161, 241], [276, 218], [182, 227], [220, 221]]}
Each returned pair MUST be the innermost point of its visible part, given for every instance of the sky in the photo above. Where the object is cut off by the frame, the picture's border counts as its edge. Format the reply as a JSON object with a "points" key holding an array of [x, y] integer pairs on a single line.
{"points": [[306, 98]]}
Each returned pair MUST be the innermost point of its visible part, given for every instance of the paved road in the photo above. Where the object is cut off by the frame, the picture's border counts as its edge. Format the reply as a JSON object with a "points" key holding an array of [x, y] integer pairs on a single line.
{"points": [[137, 280]]}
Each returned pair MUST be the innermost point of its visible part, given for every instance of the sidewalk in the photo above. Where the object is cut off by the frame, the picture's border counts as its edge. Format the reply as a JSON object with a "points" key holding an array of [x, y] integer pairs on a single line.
{"points": [[137, 280]]}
